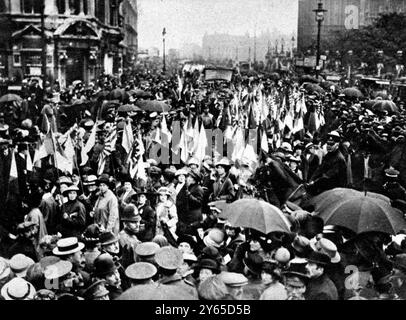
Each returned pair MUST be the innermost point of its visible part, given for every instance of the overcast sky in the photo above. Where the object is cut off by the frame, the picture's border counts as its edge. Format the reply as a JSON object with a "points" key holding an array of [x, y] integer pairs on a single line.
{"points": [[186, 21]]}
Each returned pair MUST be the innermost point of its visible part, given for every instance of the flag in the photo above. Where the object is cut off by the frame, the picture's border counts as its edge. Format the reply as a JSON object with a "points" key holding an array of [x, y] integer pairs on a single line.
{"points": [[69, 149], [165, 131], [201, 144], [264, 142], [89, 145], [195, 139], [176, 134], [62, 163], [109, 147], [239, 144], [128, 137], [45, 125], [137, 155], [29, 162], [180, 87], [13, 187]]}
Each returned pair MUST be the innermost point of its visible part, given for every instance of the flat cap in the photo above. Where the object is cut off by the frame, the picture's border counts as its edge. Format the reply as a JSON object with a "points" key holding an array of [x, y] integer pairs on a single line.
{"points": [[233, 279], [169, 258], [141, 271], [146, 249]]}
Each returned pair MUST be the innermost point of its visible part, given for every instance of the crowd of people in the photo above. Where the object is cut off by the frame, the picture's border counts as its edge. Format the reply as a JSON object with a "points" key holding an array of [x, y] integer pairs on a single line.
{"points": [[86, 214]]}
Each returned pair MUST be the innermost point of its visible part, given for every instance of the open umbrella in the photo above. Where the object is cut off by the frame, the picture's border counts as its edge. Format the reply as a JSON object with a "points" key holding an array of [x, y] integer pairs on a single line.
{"points": [[353, 93], [10, 97], [382, 94], [153, 105], [313, 88], [128, 108], [309, 78], [118, 94], [258, 215], [140, 93], [385, 105], [364, 214], [220, 204], [330, 197], [156, 291]]}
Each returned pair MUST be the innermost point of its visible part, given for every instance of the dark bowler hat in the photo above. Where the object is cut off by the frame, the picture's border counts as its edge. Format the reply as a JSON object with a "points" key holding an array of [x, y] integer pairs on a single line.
{"points": [[141, 271], [208, 264], [319, 258], [188, 239], [107, 238], [147, 249], [104, 178], [96, 290], [253, 262], [104, 264], [169, 258], [130, 213]]}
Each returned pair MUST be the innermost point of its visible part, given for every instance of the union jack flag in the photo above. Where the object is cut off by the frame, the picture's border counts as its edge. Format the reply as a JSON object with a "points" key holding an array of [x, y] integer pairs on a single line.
{"points": [[109, 146]]}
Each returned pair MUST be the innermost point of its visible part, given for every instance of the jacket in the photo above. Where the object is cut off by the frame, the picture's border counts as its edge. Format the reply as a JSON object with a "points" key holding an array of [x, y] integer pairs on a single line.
{"points": [[223, 189], [321, 288], [75, 223], [106, 212]]}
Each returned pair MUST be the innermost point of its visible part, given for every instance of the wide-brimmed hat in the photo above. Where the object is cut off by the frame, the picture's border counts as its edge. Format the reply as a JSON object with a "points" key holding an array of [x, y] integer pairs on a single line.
{"points": [[104, 264], [301, 244], [64, 180], [224, 162], [141, 271], [188, 257], [67, 246], [18, 289], [169, 258], [253, 261], [297, 268], [392, 173], [107, 238], [214, 238], [69, 189], [319, 258], [96, 290], [58, 270], [286, 146], [91, 234], [164, 190], [193, 161], [182, 171], [19, 264], [327, 247], [90, 181]]}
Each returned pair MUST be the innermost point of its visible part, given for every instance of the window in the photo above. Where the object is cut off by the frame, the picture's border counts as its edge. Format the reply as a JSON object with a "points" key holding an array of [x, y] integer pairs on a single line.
{"points": [[101, 10], [31, 6], [74, 7], [61, 6], [17, 59], [113, 13]]}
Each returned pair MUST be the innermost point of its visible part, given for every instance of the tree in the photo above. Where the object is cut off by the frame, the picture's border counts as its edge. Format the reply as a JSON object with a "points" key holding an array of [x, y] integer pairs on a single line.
{"points": [[386, 34]]}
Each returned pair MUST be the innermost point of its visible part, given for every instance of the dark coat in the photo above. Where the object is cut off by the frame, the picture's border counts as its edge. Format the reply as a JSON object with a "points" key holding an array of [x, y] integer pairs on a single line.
{"points": [[191, 213], [394, 191], [148, 219], [321, 288], [75, 224], [309, 166], [223, 189], [332, 173], [50, 211]]}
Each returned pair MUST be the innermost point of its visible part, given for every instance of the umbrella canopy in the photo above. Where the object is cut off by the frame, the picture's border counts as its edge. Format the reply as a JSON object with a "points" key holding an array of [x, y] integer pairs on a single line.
{"points": [[140, 93], [364, 214], [353, 93], [382, 94], [118, 94], [153, 105], [313, 88], [330, 197], [220, 204], [156, 291], [385, 105], [369, 104], [328, 84], [10, 97], [309, 78], [258, 215], [128, 108]]}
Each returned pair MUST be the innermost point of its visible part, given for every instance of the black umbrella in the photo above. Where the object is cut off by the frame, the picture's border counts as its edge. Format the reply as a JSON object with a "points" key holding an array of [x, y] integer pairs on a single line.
{"points": [[153, 105], [385, 105], [353, 93], [313, 88]]}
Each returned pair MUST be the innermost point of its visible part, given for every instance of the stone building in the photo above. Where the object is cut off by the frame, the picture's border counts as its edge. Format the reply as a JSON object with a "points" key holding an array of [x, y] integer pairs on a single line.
{"points": [[84, 38]]}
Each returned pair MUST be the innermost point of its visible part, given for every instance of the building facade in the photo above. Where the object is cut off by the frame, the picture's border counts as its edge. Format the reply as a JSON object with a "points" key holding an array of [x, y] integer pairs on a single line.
{"points": [[341, 15], [84, 38], [129, 12], [245, 48]]}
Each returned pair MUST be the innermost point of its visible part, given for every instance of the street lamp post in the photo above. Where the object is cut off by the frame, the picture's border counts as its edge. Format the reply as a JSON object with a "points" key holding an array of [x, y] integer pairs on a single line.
{"points": [[319, 18], [163, 42]]}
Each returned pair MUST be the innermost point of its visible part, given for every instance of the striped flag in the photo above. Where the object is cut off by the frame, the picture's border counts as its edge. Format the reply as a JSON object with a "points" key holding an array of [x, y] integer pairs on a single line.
{"points": [[128, 137], [109, 146]]}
